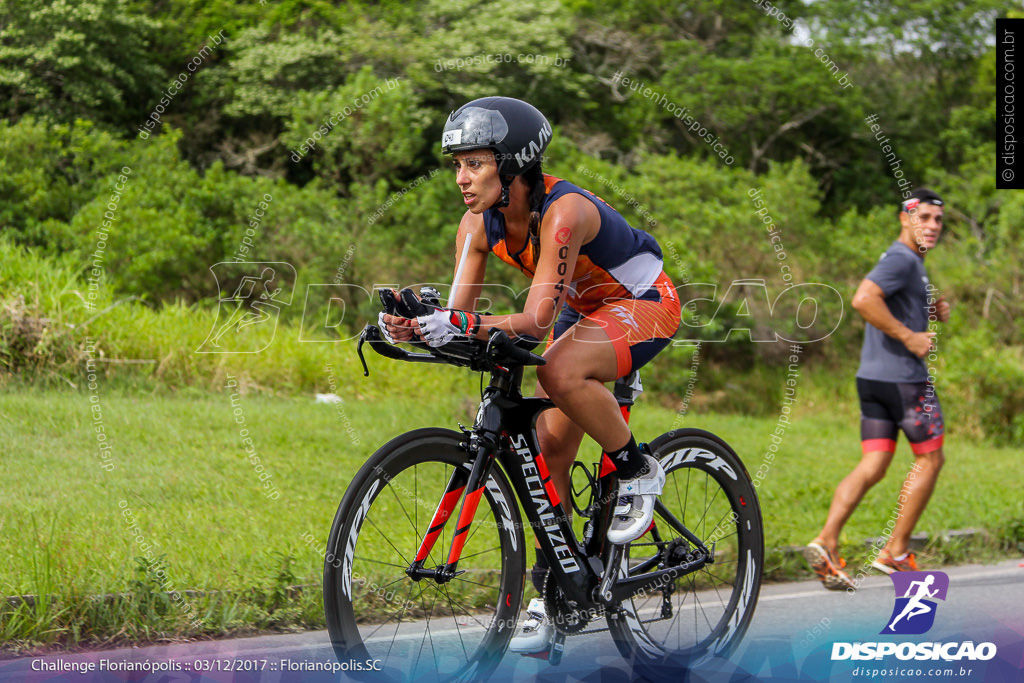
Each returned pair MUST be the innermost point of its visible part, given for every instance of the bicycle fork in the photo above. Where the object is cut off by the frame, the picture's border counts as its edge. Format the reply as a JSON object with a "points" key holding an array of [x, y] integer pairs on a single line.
{"points": [[464, 485]]}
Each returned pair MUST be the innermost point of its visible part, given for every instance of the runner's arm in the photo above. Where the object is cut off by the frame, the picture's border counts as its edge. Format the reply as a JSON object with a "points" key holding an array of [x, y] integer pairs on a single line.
{"points": [[869, 300]]}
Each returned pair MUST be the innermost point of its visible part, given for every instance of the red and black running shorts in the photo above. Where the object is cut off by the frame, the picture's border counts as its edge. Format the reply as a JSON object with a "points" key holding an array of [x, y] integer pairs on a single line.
{"points": [[887, 407]]}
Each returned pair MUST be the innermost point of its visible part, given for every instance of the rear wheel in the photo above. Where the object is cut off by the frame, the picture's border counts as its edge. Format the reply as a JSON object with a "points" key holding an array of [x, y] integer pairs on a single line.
{"points": [[401, 629], [705, 613]]}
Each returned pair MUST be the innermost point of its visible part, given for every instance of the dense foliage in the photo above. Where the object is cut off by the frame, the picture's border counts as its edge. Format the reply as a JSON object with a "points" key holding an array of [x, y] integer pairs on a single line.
{"points": [[153, 133]]}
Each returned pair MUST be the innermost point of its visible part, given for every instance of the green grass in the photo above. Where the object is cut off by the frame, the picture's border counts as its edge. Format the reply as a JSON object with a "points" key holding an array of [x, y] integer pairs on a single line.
{"points": [[198, 503]]}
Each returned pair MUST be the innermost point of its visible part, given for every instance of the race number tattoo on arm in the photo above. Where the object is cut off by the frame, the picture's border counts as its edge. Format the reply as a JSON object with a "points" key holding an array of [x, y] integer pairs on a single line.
{"points": [[563, 237]]}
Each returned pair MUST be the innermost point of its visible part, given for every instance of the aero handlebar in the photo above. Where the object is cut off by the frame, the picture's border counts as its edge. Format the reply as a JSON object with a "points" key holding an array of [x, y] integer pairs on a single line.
{"points": [[498, 350]]}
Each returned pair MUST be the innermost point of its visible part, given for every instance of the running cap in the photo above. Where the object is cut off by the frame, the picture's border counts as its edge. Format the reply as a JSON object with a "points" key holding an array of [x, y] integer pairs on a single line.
{"points": [[921, 195]]}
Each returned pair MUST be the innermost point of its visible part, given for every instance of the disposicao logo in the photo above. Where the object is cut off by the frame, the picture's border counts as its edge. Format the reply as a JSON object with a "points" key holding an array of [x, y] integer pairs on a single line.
{"points": [[914, 614], [916, 592]]}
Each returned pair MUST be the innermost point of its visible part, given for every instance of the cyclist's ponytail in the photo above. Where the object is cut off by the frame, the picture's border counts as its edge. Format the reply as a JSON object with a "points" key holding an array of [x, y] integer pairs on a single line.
{"points": [[534, 177]]}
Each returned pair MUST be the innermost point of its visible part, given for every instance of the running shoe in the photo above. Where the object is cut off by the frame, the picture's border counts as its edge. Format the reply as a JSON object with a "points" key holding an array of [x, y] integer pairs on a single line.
{"points": [[885, 562], [828, 568]]}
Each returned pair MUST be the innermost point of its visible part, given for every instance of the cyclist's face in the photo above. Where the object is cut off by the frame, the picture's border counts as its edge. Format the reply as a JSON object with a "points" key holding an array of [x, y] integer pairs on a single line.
{"points": [[922, 226], [476, 174]]}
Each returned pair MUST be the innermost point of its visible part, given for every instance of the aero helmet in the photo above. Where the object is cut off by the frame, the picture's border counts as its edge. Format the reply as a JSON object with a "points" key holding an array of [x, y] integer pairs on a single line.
{"points": [[515, 130]]}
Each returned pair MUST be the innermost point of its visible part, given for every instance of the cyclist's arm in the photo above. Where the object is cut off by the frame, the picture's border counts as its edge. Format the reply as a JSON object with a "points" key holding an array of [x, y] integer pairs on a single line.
{"points": [[869, 300], [404, 330], [570, 222], [472, 277]]}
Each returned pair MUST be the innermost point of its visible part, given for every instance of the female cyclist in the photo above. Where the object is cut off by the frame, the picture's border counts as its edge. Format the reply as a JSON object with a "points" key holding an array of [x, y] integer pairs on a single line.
{"points": [[596, 281]]}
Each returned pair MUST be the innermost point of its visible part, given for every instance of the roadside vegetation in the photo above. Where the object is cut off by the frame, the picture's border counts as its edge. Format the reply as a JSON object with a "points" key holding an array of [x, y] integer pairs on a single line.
{"points": [[116, 208]]}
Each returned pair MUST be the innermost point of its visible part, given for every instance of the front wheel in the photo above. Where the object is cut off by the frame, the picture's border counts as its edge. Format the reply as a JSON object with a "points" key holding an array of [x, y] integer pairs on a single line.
{"points": [[402, 629], [705, 613]]}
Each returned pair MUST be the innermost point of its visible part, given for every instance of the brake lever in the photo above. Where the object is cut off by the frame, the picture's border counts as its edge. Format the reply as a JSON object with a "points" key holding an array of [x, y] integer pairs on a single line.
{"points": [[494, 338], [359, 349]]}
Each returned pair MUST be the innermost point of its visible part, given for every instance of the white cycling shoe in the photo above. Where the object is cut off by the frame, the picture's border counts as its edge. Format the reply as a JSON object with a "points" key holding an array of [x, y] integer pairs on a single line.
{"points": [[633, 514], [535, 635]]}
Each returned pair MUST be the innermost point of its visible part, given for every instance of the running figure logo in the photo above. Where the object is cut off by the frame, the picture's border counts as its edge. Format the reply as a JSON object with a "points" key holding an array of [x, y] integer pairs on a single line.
{"points": [[914, 611], [250, 301]]}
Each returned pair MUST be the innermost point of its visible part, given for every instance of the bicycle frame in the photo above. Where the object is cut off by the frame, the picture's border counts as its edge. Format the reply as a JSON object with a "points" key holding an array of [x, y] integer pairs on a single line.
{"points": [[476, 567], [590, 574]]}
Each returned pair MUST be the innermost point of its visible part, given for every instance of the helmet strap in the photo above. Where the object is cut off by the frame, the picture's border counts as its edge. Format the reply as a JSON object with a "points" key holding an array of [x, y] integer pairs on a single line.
{"points": [[506, 184]]}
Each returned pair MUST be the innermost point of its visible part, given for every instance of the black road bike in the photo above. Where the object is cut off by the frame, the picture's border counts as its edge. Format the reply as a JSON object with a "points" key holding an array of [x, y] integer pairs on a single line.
{"points": [[425, 565]]}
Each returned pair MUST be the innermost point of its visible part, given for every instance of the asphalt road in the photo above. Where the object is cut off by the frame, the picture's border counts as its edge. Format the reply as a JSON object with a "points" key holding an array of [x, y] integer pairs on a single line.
{"points": [[792, 638]]}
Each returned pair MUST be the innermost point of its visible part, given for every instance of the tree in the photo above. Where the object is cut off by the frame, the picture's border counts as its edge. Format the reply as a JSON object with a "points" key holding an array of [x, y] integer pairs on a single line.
{"points": [[922, 60], [65, 60]]}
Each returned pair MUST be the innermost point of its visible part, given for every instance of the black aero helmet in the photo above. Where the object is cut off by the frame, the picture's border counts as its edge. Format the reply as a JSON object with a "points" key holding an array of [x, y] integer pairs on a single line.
{"points": [[515, 130]]}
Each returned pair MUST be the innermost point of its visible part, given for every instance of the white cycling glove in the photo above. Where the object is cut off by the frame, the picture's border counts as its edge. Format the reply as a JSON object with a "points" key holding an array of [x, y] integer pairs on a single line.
{"points": [[384, 328], [442, 325]]}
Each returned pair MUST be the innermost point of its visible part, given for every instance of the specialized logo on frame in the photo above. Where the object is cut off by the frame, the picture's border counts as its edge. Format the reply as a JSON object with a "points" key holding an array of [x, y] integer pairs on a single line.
{"points": [[916, 596]]}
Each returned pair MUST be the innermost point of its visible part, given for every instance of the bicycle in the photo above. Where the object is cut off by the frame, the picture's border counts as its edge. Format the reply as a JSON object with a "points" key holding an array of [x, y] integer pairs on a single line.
{"points": [[416, 591]]}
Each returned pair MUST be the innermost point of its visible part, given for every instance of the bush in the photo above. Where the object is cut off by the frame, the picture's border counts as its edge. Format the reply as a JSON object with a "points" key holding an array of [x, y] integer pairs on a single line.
{"points": [[48, 172]]}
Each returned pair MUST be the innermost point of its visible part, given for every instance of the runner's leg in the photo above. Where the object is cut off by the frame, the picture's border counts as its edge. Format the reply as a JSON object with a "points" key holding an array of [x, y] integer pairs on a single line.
{"points": [[880, 411], [868, 472], [915, 494], [924, 426]]}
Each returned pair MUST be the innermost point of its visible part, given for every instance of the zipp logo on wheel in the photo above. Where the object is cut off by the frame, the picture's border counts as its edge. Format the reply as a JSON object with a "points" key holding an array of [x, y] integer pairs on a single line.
{"points": [[916, 593]]}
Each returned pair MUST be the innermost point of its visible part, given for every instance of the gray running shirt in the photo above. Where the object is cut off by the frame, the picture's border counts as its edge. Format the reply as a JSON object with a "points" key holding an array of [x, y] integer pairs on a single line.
{"points": [[901, 275]]}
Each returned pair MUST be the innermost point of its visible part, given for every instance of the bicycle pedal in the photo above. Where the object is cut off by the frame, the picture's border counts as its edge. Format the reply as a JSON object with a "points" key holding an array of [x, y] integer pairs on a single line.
{"points": [[552, 654], [557, 648]]}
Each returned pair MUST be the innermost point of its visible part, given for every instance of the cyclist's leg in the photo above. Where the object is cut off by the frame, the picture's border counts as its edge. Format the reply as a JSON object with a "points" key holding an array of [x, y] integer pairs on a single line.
{"points": [[581, 357], [579, 363], [610, 342], [560, 440], [559, 436]]}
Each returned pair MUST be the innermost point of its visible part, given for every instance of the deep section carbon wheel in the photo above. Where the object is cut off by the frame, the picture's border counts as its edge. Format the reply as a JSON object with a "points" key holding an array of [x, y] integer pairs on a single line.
{"points": [[403, 629], [703, 614]]}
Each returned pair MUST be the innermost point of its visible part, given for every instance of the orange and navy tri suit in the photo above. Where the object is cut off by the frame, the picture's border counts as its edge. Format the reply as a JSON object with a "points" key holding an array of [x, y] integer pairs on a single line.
{"points": [[618, 281]]}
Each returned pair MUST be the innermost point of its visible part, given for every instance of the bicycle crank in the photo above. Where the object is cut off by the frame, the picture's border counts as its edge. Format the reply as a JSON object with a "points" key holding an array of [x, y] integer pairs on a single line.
{"points": [[564, 613]]}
